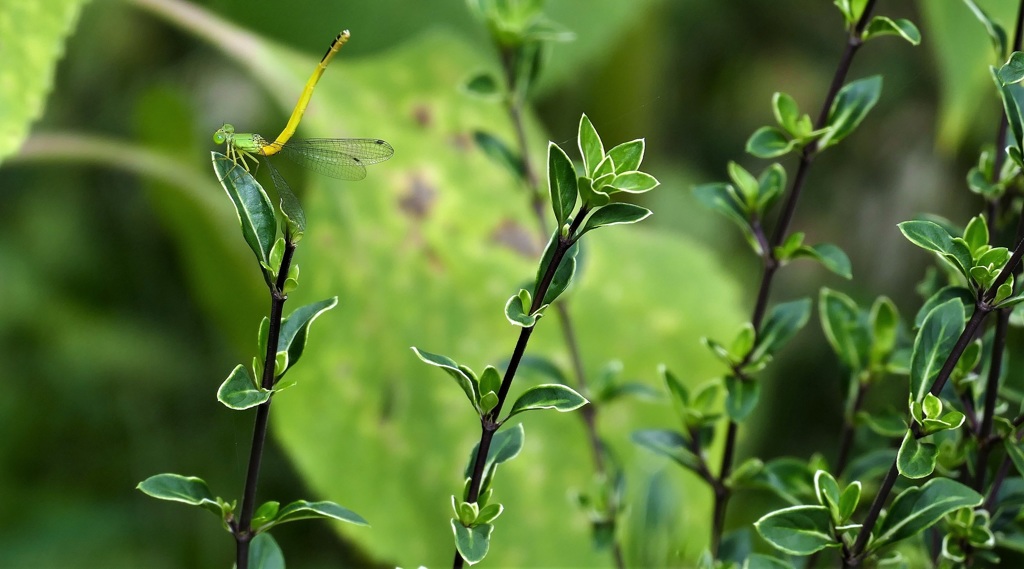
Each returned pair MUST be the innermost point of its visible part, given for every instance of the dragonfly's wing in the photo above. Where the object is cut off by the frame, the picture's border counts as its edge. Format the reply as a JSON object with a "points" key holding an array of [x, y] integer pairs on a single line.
{"points": [[289, 203], [342, 158]]}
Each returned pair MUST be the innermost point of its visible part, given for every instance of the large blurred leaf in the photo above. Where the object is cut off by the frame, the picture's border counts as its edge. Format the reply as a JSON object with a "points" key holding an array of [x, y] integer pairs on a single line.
{"points": [[420, 253], [33, 42], [964, 53]]}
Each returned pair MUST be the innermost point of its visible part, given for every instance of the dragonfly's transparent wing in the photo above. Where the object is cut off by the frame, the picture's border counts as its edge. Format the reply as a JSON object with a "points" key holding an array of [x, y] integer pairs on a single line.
{"points": [[289, 203], [342, 158]]}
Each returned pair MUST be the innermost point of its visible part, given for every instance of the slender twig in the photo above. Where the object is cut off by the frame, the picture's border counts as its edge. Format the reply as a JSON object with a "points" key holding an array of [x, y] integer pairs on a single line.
{"points": [[489, 423], [589, 412], [849, 428], [770, 263], [243, 530]]}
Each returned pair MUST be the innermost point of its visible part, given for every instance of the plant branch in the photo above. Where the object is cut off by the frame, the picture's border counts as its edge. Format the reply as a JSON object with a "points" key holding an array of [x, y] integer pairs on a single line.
{"points": [[770, 263], [991, 396], [489, 423], [243, 530], [849, 428]]}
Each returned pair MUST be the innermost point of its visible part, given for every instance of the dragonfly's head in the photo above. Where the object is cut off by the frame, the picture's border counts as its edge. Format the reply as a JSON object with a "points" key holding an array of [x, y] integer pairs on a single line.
{"points": [[224, 134]]}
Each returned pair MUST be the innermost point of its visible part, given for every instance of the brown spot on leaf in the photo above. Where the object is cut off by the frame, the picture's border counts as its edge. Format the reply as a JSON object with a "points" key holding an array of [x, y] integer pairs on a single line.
{"points": [[418, 198]]}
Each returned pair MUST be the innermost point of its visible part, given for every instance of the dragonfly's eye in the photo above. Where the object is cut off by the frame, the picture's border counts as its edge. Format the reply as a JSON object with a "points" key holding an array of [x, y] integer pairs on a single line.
{"points": [[219, 137]]}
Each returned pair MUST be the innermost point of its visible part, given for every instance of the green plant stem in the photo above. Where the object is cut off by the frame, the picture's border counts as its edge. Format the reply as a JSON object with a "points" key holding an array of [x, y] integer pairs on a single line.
{"points": [[1003, 317], [489, 423], [770, 263], [849, 429], [243, 529], [854, 556], [589, 412]]}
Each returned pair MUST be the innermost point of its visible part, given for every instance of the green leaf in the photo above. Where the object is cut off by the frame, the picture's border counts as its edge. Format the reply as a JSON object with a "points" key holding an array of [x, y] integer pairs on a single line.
{"points": [[669, 444], [634, 182], [769, 142], [239, 391], [34, 34], [469, 387], [759, 561], [562, 183], [827, 490], [783, 321], [829, 255], [472, 543], [844, 328], [799, 530], [563, 274], [483, 84], [549, 396], [265, 513], [591, 147], [618, 213], [517, 310], [771, 184], [976, 235], [786, 112], [291, 209], [295, 328], [742, 397], [177, 488], [996, 33], [1013, 70], [500, 153], [931, 236], [723, 199], [851, 105], [505, 446], [883, 26], [745, 182], [264, 553], [917, 509], [944, 294], [680, 395], [628, 156], [252, 205], [303, 510], [848, 500], [933, 344], [885, 321], [916, 459]]}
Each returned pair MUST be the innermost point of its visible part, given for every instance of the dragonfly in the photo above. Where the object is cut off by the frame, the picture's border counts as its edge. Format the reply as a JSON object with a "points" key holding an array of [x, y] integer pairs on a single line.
{"points": [[340, 158]]}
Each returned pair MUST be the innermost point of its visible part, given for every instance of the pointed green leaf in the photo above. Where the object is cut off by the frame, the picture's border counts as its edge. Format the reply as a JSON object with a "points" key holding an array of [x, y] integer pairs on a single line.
{"points": [[668, 443], [239, 392], [935, 340], [1016, 454], [827, 490], [941, 296], [618, 213], [563, 274], [851, 105], [742, 397], [783, 321], [549, 396], [723, 199], [303, 510], [848, 500], [844, 328], [505, 446], [264, 553], [996, 33], [472, 543], [177, 488], [482, 84], [829, 255], [884, 321], [800, 530], [295, 328], [252, 205], [917, 509], [916, 459], [469, 387], [883, 26], [769, 142], [628, 155], [562, 183], [634, 182], [976, 235], [500, 153], [590, 145], [680, 395], [759, 561], [265, 513]]}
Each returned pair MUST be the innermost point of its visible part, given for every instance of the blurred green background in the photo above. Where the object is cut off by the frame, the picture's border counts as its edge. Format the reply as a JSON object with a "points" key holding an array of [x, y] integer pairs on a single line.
{"points": [[128, 294]]}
